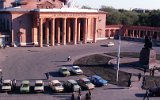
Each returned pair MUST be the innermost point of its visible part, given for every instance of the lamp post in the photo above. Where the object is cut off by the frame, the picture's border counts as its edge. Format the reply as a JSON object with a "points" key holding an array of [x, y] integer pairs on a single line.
{"points": [[118, 56]]}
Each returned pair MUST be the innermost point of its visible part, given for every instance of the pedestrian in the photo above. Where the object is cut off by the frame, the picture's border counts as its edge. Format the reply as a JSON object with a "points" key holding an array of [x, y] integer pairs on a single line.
{"points": [[4, 46], [129, 83], [79, 91], [69, 58], [88, 97], [72, 98], [1, 80], [145, 71], [14, 84], [47, 76], [79, 97], [139, 76], [146, 95], [89, 91]]}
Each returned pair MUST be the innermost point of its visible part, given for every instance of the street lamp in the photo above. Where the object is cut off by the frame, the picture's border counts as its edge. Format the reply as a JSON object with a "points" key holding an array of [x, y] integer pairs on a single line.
{"points": [[118, 56]]}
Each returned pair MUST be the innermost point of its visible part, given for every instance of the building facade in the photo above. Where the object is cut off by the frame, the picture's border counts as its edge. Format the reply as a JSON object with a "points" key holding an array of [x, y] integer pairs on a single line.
{"points": [[49, 22]]}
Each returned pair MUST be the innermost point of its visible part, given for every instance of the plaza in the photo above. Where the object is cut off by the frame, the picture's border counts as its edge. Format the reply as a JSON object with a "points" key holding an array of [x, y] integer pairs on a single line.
{"points": [[32, 63]]}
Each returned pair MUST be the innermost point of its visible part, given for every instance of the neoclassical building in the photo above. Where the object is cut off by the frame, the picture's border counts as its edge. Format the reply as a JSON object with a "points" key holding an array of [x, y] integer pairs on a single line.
{"points": [[49, 22]]}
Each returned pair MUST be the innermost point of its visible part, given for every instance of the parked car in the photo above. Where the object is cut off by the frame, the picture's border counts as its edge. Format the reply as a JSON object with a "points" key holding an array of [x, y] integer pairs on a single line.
{"points": [[154, 91], [76, 70], [110, 44], [6, 86], [71, 85], [97, 80], [85, 83], [39, 86], [56, 86], [64, 71], [25, 86]]}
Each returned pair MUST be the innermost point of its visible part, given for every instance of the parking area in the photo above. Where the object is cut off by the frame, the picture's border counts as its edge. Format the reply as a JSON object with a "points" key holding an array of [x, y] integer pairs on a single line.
{"points": [[33, 63]]}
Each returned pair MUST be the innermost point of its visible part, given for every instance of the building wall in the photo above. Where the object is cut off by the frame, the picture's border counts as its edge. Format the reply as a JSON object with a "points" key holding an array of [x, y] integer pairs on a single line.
{"points": [[22, 28], [101, 22]]}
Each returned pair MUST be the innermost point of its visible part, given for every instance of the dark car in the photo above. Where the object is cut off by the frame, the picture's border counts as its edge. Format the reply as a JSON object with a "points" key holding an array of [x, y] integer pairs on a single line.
{"points": [[154, 91], [71, 86], [97, 80]]}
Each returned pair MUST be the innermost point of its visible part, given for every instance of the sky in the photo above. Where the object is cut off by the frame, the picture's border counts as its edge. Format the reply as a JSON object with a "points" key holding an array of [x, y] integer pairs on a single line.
{"points": [[121, 4]]}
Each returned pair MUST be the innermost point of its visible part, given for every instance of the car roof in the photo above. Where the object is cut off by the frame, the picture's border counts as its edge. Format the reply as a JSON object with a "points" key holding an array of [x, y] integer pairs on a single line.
{"points": [[96, 76], [75, 66], [84, 79], [55, 81], [39, 81], [72, 81], [63, 68], [6, 81], [25, 82]]}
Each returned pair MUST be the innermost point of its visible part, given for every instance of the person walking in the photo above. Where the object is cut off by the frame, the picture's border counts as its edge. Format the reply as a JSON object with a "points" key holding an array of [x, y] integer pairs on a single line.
{"points": [[145, 71], [47, 75], [69, 58], [89, 92], [146, 95], [72, 97], [79, 91], [79, 97], [88, 97], [129, 83], [139, 76], [14, 84]]}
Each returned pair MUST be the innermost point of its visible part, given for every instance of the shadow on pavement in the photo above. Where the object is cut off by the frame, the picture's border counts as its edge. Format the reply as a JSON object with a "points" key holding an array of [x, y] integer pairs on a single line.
{"points": [[60, 61], [117, 88], [103, 45], [55, 74], [139, 94]]}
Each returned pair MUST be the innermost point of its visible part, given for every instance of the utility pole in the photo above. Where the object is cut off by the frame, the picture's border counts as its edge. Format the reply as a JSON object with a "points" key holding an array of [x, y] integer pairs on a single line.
{"points": [[118, 56]]}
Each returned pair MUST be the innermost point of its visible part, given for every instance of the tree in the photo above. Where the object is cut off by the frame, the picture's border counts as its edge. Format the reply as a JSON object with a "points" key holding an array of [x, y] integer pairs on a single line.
{"points": [[154, 18], [86, 7], [129, 18]]}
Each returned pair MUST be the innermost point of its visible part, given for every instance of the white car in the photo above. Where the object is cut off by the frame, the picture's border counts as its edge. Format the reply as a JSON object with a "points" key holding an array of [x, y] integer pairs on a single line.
{"points": [[56, 86], [7, 86], [76, 70], [110, 44], [39, 86]]}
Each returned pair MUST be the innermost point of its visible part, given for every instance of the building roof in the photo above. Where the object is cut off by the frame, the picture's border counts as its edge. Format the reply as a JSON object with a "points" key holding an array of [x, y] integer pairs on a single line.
{"points": [[65, 10]]}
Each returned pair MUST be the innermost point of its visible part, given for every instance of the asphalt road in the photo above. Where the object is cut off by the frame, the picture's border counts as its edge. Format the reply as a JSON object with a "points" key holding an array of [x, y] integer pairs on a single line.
{"points": [[33, 62]]}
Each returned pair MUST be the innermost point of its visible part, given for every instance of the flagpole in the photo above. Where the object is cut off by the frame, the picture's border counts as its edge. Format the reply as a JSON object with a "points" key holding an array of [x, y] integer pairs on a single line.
{"points": [[118, 56]]}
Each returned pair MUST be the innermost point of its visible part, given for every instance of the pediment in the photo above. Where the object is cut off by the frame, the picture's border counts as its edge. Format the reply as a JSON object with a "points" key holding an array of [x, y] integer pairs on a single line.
{"points": [[46, 5]]}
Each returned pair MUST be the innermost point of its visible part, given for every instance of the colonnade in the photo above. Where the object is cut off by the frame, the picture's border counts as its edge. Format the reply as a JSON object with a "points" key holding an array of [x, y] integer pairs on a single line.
{"points": [[110, 33], [56, 31], [133, 33]]}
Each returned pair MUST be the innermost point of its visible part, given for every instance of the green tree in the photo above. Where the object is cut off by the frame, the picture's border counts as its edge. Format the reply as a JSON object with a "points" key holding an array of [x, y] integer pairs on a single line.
{"points": [[154, 18], [86, 7], [129, 17], [142, 20]]}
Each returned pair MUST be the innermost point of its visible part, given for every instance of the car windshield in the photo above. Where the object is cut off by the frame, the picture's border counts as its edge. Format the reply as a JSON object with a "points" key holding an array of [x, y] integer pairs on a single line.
{"points": [[87, 82], [38, 84], [6, 84], [57, 84], [99, 78], [75, 84], [76, 68], [25, 85], [64, 69]]}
